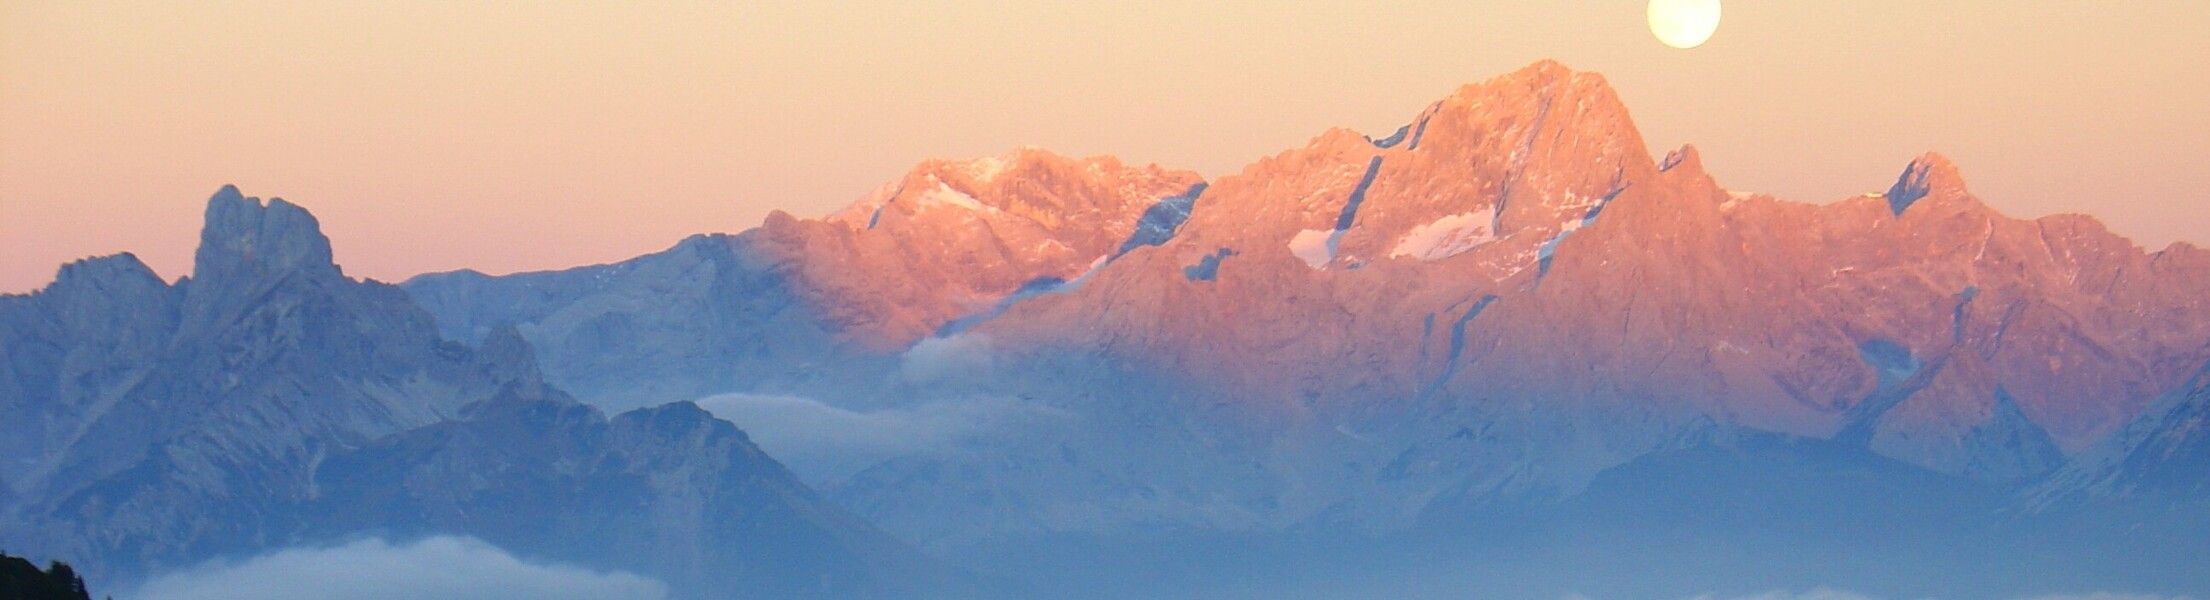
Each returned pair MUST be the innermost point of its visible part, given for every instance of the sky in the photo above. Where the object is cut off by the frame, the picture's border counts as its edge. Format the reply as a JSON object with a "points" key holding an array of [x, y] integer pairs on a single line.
{"points": [[431, 136]]}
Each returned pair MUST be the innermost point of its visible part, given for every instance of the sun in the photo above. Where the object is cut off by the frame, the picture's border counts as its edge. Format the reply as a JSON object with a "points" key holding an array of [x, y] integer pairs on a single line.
{"points": [[1684, 23]]}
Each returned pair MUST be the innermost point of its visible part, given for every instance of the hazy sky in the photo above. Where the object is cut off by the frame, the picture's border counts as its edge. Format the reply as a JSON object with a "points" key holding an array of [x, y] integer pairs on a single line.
{"points": [[510, 136]]}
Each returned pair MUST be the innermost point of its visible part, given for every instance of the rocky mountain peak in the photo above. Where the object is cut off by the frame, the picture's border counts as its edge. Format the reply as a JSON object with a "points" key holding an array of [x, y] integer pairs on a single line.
{"points": [[507, 357], [962, 235], [245, 237], [1931, 174], [1031, 185], [116, 275], [1497, 172], [1685, 159], [1545, 97]]}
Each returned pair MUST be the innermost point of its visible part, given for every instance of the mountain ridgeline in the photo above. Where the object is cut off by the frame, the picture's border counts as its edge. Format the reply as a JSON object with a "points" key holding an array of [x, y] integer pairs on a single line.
{"points": [[268, 401], [1508, 305], [1501, 349]]}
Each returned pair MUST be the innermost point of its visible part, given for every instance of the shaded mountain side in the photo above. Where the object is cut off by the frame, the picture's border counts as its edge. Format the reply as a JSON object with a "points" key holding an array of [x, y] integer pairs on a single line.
{"points": [[158, 416], [2161, 459], [669, 492], [269, 401], [705, 316]]}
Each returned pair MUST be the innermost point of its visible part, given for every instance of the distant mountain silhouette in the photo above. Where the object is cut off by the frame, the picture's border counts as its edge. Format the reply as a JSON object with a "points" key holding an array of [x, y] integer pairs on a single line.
{"points": [[270, 401]]}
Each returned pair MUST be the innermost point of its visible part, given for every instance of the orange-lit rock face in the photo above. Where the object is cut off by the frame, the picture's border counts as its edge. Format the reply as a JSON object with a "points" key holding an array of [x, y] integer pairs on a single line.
{"points": [[1518, 242], [1516, 247], [951, 238]]}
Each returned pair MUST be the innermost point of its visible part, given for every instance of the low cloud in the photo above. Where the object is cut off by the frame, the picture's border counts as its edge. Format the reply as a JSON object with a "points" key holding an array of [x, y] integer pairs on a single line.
{"points": [[954, 359], [825, 443], [436, 568]]}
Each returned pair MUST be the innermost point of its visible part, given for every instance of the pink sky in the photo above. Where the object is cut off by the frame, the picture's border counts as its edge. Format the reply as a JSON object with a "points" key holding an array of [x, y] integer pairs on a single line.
{"points": [[435, 136]]}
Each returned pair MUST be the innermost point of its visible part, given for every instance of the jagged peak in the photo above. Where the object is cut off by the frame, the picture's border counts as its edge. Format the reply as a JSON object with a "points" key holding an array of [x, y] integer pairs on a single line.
{"points": [[2183, 248], [120, 278], [244, 235], [1545, 69], [1029, 160], [1341, 139], [1931, 174], [531, 401], [122, 266], [1533, 111], [1021, 163], [1013, 181], [1544, 77], [685, 419], [1686, 158], [779, 220], [505, 342]]}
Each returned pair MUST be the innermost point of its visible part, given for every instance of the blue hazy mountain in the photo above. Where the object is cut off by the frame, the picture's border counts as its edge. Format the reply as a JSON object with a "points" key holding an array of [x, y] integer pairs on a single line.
{"points": [[269, 401]]}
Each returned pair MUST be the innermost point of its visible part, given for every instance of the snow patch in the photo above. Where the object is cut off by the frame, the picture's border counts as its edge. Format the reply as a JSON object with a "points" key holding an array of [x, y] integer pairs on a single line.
{"points": [[1314, 246], [1548, 250], [1317, 246], [944, 195], [986, 169], [1735, 198], [1445, 237]]}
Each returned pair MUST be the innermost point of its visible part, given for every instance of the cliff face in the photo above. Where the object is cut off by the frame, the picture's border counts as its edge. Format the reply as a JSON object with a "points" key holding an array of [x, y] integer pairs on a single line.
{"points": [[167, 413]]}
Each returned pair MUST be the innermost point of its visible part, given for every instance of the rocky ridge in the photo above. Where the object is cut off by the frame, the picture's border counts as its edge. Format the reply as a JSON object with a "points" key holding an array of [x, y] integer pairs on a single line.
{"points": [[269, 401]]}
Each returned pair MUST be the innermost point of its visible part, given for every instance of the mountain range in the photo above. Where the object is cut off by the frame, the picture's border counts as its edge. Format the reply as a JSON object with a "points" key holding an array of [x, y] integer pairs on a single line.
{"points": [[269, 401], [1503, 347]]}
